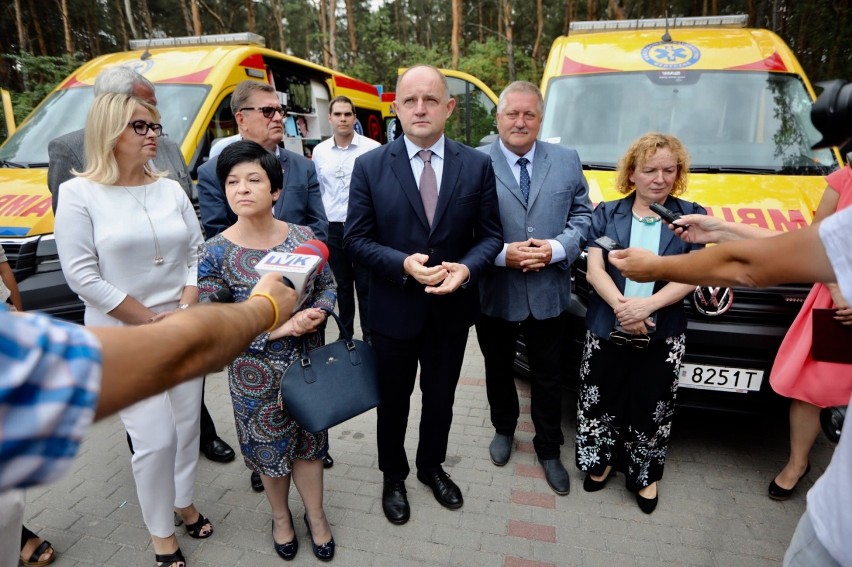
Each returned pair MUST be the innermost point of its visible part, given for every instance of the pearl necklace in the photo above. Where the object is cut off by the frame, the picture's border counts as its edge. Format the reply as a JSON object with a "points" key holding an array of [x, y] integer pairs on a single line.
{"points": [[158, 256], [645, 220]]}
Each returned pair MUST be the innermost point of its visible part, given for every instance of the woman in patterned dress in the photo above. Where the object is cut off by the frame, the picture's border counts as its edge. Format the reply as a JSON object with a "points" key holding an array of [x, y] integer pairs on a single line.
{"points": [[635, 338], [271, 441]]}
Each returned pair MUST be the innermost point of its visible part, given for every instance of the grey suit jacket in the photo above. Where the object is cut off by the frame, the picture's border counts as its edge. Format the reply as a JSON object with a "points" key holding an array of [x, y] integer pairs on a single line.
{"points": [[66, 153], [559, 209]]}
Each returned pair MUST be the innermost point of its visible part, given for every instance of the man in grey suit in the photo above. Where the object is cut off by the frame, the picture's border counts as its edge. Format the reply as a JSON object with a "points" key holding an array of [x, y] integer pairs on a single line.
{"points": [[546, 215], [66, 153]]}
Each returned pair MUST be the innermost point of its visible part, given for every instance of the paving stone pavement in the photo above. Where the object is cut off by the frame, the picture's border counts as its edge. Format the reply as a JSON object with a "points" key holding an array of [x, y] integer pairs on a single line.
{"points": [[713, 507]]}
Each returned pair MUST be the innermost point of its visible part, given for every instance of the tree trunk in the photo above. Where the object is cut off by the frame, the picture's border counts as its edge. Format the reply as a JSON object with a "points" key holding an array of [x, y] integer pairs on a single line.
{"points": [[215, 16], [196, 17], [146, 17], [23, 42], [350, 25], [42, 46], [66, 26], [616, 11], [122, 29], [324, 31], [481, 23], [397, 16], [129, 12], [250, 13], [591, 9], [454, 41], [332, 33], [569, 16], [539, 31], [187, 21], [279, 24], [510, 48]]}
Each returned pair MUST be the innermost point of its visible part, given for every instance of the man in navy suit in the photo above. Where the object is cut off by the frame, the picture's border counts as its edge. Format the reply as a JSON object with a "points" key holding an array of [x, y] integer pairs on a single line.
{"points": [[300, 202], [423, 218], [546, 215]]}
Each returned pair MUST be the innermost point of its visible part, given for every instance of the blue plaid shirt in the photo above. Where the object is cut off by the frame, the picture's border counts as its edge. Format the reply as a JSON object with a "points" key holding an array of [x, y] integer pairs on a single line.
{"points": [[50, 375]]}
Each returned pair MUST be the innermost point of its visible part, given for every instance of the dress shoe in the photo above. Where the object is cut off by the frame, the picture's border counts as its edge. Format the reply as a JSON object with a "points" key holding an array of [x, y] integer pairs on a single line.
{"points": [[778, 493], [592, 485], [327, 461], [500, 449], [395, 502], [217, 450], [556, 476], [286, 551], [446, 492], [324, 552], [256, 483], [647, 505]]}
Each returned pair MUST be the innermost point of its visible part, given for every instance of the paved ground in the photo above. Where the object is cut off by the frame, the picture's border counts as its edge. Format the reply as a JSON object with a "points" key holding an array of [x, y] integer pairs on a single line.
{"points": [[713, 507]]}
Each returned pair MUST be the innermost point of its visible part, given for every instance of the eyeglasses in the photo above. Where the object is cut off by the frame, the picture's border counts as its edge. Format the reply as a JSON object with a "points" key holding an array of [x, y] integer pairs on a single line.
{"points": [[141, 127], [638, 341], [267, 111]]}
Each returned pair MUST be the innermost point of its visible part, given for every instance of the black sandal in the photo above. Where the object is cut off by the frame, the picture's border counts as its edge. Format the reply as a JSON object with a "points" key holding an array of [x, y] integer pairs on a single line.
{"points": [[169, 559], [42, 548], [194, 530]]}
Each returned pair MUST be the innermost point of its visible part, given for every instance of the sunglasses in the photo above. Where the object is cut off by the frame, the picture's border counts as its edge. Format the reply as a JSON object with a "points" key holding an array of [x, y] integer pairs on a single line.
{"points": [[267, 111], [638, 341], [141, 127]]}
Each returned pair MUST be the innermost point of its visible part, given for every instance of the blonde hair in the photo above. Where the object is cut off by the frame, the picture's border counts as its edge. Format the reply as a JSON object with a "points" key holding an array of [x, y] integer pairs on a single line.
{"points": [[641, 151], [107, 119]]}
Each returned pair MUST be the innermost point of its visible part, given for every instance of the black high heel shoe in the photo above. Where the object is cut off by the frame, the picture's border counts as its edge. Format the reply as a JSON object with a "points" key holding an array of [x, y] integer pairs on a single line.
{"points": [[592, 485], [324, 552], [778, 493], [286, 551]]}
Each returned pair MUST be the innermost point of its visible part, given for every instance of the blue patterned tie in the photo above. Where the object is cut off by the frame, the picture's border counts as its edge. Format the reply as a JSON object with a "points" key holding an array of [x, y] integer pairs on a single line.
{"points": [[525, 179]]}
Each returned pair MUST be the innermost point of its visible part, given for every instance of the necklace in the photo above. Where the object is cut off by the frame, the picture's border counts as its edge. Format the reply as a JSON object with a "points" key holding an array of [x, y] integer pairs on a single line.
{"points": [[158, 256], [645, 220]]}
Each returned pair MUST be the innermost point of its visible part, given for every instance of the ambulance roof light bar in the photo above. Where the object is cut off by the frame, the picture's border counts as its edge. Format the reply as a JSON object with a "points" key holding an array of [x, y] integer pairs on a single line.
{"points": [[735, 21], [244, 38]]}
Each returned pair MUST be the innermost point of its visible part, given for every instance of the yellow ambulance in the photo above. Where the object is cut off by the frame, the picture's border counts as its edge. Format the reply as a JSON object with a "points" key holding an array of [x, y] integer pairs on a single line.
{"points": [[194, 79], [740, 102]]}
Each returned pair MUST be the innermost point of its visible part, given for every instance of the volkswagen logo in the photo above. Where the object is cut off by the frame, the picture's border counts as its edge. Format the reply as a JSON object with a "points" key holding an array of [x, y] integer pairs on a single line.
{"points": [[712, 301]]}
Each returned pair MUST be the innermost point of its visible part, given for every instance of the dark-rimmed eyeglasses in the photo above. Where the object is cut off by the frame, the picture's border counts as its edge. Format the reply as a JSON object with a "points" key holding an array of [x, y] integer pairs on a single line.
{"points": [[141, 127], [621, 338], [267, 111]]}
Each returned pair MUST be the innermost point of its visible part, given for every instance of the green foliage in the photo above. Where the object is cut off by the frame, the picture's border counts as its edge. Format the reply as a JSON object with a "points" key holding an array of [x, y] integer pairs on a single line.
{"points": [[40, 74]]}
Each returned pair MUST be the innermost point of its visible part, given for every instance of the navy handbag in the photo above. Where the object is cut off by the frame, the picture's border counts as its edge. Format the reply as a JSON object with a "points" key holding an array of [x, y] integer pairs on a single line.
{"points": [[332, 383]]}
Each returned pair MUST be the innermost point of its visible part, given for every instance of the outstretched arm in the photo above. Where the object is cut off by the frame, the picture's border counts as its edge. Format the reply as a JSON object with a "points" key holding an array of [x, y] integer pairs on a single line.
{"points": [[141, 361]]}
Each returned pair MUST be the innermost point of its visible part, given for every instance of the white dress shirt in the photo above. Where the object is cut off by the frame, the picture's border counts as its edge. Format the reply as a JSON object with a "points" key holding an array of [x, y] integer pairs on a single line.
{"points": [[334, 169], [417, 163]]}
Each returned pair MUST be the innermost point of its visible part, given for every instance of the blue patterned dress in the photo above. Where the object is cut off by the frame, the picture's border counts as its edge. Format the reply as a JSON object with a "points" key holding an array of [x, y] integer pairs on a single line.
{"points": [[269, 436]]}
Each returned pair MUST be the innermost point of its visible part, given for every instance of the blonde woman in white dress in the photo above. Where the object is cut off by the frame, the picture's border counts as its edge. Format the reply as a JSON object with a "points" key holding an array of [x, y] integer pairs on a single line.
{"points": [[127, 239]]}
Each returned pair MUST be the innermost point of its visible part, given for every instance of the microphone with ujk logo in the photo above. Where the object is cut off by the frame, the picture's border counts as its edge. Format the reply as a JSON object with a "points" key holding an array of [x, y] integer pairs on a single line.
{"points": [[299, 268]]}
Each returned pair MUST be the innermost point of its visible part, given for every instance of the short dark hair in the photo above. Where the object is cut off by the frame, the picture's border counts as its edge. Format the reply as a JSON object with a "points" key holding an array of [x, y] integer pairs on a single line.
{"points": [[246, 151], [341, 99]]}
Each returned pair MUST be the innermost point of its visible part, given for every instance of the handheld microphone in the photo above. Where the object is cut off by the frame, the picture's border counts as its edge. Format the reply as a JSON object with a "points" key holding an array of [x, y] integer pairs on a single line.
{"points": [[299, 267]]}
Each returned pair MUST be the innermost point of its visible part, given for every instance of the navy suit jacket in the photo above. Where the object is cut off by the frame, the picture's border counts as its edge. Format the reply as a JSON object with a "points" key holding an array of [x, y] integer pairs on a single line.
{"points": [[615, 219], [300, 201], [386, 222], [559, 209]]}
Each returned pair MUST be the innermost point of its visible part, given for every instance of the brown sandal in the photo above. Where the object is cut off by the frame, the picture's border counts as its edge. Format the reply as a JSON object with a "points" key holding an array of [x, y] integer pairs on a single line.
{"points": [[42, 548]]}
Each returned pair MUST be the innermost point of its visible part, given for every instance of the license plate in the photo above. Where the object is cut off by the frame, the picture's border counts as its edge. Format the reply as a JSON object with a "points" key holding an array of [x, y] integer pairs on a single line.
{"points": [[720, 378]]}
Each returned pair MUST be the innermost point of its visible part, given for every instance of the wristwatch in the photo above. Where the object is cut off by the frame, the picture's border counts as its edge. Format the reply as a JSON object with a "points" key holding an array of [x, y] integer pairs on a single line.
{"points": [[183, 306]]}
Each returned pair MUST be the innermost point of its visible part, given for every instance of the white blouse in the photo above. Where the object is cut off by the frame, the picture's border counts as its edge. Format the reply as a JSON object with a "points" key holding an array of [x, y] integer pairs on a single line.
{"points": [[107, 246]]}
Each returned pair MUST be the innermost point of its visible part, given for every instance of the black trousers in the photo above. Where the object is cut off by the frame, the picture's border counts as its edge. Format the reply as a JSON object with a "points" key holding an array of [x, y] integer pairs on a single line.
{"points": [[350, 278], [208, 428], [545, 341], [440, 354]]}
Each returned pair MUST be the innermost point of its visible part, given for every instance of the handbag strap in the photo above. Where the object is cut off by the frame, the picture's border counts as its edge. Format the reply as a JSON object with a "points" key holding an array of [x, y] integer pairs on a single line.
{"points": [[305, 358]]}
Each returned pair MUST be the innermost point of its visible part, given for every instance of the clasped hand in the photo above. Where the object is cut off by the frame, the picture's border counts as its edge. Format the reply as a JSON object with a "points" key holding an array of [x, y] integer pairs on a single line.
{"points": [[439, 280], [531, 255], [634, 314], [300, 323]]}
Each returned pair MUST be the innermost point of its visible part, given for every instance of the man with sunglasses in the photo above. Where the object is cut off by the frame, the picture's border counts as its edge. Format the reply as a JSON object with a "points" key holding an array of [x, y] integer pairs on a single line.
{"points": [[260, 118], [66, 153]]}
